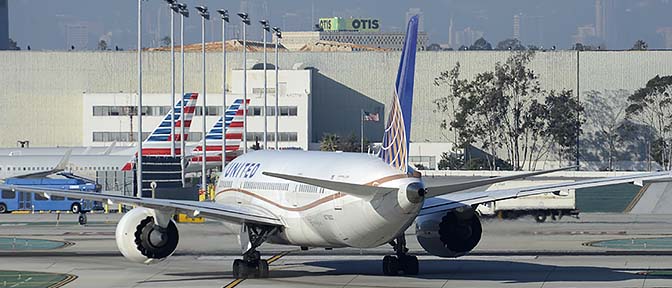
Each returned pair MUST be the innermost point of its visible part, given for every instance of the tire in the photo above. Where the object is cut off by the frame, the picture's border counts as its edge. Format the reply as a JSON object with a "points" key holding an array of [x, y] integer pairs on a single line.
{"points": [[82, 219], [239, 268], [262, 270], [390, 265], [76, 208], [410, 265], [540, 217], [3, 208]]}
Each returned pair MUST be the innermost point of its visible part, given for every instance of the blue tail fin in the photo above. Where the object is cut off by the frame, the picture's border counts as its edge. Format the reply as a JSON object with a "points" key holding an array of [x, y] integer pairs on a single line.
{"points": [[398, 129]]}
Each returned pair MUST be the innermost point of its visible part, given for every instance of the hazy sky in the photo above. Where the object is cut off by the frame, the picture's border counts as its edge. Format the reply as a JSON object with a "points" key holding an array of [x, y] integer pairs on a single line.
{"points": [[42, 24]]}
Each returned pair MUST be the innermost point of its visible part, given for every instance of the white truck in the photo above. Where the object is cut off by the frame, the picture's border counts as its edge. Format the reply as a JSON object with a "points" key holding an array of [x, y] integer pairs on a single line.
{"points": [[556, 205]]}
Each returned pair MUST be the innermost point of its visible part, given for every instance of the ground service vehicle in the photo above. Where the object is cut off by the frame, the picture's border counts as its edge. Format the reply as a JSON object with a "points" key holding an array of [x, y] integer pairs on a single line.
{"points": [[541, 206], [17, 201]]}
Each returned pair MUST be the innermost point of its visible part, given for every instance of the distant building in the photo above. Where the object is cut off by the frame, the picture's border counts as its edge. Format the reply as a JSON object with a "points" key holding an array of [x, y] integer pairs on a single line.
{"points": [[667, 36], [361, 32], [77, 35], [295, 40], [602, 9], [467, 37], [516, 26], [416, 11], [584, 34], [4, 25]]}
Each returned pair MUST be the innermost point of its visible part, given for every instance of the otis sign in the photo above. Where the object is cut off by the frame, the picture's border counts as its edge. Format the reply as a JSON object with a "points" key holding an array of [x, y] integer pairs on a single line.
{"points": [[349, 24]]}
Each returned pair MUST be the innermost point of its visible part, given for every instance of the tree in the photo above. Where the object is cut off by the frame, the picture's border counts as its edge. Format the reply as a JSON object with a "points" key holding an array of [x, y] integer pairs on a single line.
{"points": [[652, 105], [330, 142], [434, 47], [564, 119], [605, 112], [450, 161], [102, 45], [506, 109], [481, 44], [165, 41], [640, 45], [510, 44], [13, 45]]}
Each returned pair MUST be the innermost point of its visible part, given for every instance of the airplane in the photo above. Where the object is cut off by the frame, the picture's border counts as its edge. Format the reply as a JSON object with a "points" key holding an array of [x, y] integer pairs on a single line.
{"points": [[234, 138], [330, 199], [86, 165], [157, 144]]}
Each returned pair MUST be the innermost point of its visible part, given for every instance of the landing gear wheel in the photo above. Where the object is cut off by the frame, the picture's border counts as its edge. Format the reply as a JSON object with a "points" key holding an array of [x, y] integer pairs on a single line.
{"points": [[262, 269], [540, 217], [239, 269], [390, 265], [409, 264]]}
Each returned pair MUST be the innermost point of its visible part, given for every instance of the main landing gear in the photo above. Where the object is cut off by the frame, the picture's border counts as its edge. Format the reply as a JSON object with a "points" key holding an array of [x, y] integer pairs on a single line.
{"points": [[252, 266], [401, 262]]}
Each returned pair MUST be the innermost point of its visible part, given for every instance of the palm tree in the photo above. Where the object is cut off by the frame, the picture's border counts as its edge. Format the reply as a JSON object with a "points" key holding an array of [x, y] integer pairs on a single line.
{"points": [[330, 142]]}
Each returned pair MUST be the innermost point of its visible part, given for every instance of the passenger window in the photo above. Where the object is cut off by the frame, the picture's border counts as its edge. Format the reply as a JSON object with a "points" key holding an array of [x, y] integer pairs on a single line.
{"points": [[57, 198], [8, 194]]}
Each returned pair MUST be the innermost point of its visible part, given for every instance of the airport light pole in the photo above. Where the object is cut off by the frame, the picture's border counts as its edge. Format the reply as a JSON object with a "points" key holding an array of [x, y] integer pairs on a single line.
{"points": [[183, 13], [139, 157], [173, 9], [278, 35], [246, 21], [205, 15], [266, 28], [225, 19]]}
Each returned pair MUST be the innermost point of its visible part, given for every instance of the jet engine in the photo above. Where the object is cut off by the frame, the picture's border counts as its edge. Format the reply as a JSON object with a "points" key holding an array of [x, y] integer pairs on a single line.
{"points": [[450, 234], [146, 235]]}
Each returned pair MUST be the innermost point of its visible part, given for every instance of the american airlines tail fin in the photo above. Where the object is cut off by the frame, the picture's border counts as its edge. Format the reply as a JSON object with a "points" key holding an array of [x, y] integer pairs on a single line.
{"points": [[158, 142], [233, 119], [394, 150]]}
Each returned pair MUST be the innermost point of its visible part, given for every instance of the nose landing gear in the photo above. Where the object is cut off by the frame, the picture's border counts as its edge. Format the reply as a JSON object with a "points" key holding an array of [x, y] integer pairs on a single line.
{"points": [[401, 262]]}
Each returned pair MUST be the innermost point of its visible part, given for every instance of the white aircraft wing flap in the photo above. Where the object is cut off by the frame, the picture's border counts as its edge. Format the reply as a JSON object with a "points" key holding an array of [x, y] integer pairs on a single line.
{"points": [[461, 186], [456, 200], [358, 190], [218, 211]]}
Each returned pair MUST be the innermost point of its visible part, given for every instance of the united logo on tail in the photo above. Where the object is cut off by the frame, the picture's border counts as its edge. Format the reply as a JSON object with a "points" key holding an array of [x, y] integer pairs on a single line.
{"points": [[394, 150]]}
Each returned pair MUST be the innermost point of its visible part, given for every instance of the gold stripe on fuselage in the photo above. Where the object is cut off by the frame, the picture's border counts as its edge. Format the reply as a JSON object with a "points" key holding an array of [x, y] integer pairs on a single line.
{"points": [[317, 202]]}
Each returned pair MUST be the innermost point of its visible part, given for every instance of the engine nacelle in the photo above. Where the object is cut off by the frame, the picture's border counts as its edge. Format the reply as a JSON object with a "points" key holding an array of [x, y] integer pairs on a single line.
{"points": [[451, 234], [141, 238]]}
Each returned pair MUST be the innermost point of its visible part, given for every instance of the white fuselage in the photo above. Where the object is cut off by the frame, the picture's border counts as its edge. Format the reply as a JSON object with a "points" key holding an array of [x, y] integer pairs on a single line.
{"points": [[82, 165], [318, 217]]}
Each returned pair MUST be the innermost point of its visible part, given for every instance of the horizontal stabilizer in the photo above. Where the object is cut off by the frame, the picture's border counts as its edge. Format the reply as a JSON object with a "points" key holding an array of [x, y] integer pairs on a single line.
{"points": [[358, 190], [461, 186]]}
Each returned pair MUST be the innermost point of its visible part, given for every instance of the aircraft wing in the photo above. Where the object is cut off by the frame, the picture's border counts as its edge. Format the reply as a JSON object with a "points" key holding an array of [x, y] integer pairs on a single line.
{"points": [[461, 186], [225, 212], [58, 168], [456, 200]]}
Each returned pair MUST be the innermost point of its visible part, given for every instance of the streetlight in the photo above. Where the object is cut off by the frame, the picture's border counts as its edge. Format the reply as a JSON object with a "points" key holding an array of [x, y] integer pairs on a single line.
{"points": [[139, 157], [278, 35], [173, 7], [246, 21], [183, 13], [205, 15], [225, 19], [266, 28]]}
